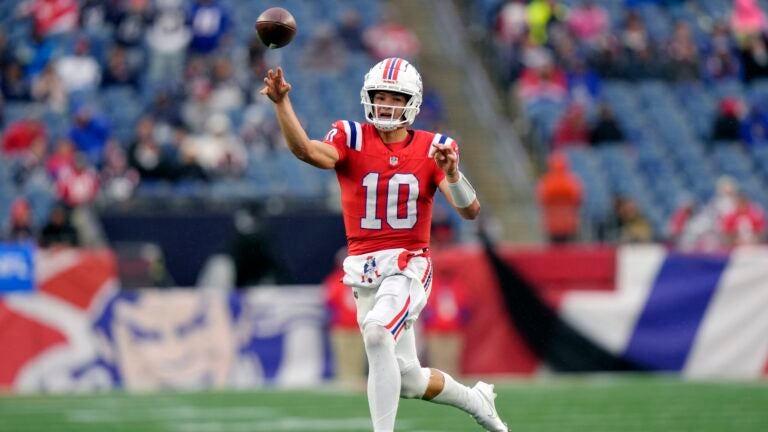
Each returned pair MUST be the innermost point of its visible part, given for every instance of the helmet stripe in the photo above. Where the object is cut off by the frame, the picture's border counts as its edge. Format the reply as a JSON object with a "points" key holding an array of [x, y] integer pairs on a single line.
{"points": [[396, 69], [386, 68]]}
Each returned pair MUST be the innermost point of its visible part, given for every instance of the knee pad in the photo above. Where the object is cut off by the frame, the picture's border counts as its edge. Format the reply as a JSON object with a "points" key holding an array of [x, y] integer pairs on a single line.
{"points": [[413, 380], [376, 337]]}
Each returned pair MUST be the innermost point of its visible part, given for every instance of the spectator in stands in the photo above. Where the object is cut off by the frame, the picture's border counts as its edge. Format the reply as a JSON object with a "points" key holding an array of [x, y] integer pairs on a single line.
{"points": [[727, 124], [388, 38], [721, 62], [226, 93], [542, 79], [79, 71], [117, 179], [443, 320], [677, 226], [608, 59], [165, 107], [560, 196], [606, 129], [348, 350], [747, 19], [259, 129], [58, 231], [683, 54], [119, 72], [634, 35], [754, 126], [754, 58], [21, 135], [50, 16], [705, 230], [78, 186], [642, 59], [745, 224], [131, 20], [145, 154], [583, 82], [350, 31], [633, 226], [30, 163], [572, 128], [21, 221], [167, 40], [90, 131], [39, 52], [324, 51], [588, 21], [93, 15], [511, 26], [48, 88], [14, 85], [78, 189], [189, 169], [197, 109], [62, 159], [210, 24], [541, 15], [219, 148]]}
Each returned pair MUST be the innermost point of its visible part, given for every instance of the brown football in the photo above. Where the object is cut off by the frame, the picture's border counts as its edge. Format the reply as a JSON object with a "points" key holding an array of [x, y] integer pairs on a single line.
{"points": [[276, 27]]}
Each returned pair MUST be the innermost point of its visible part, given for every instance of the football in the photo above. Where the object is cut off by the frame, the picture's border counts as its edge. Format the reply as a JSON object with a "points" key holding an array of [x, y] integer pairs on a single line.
{"points": [[276, 27]]}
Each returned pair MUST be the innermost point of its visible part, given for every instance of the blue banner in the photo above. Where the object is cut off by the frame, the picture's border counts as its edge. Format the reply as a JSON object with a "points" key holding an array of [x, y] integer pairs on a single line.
{"points": [[17, 268]]}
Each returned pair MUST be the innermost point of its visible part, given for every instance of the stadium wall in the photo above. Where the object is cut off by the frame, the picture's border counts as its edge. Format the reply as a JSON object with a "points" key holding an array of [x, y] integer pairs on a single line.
{"points": [[570, 309]]}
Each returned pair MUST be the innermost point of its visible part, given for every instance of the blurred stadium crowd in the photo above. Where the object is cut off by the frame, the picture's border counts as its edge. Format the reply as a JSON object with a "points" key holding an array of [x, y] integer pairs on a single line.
{"points": [[650, 117], [109, 102], [660, 108]]}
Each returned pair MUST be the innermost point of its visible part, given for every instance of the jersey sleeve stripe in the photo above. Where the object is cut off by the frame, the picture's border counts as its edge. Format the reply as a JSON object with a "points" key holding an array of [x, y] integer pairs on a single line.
{"points": [[347, 132], [358, 136]]}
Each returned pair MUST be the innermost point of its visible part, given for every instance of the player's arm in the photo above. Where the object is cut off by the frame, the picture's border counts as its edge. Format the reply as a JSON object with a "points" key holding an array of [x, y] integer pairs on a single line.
{"points": [[311, 151], [455, 185]]}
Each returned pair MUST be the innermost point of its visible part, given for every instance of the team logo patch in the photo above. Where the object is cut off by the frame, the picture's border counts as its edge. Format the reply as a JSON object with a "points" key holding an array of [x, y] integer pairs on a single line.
{"points": [[393, 160], [369, 270]]}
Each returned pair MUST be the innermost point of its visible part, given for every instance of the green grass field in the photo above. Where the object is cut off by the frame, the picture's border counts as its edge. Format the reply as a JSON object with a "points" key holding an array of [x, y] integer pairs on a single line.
{"points": [[591, 404]]}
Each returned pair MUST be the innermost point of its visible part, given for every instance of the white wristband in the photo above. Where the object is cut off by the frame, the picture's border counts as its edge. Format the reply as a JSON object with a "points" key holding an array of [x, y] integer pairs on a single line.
{"points": [[462, 192]]}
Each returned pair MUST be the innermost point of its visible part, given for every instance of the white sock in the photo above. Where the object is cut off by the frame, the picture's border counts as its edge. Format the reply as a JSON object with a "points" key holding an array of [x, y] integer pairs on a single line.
{"points": [[458, 395], [383, 377]]}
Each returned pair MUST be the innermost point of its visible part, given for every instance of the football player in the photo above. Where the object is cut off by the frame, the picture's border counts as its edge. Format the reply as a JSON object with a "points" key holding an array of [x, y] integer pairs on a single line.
{"points": [[388, 176]]}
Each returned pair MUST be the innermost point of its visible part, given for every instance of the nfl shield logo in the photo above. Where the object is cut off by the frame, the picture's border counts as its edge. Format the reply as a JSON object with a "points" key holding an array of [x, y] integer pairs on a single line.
{"points": [[393, 160]]}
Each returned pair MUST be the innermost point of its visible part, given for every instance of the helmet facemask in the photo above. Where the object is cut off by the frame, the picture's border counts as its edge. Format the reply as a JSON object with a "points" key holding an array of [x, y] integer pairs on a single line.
{"points": [[396, 76]]}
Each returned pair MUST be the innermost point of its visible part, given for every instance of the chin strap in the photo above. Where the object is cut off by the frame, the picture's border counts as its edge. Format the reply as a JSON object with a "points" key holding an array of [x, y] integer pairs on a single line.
{"points": [[462, 192]]}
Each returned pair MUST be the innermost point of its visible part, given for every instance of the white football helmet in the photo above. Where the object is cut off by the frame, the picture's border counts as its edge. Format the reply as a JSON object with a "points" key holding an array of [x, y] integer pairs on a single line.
{"points": [[393, 75]]}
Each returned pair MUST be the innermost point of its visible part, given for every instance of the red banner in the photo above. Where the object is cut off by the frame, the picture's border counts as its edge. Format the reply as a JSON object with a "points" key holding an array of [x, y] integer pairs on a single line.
{"points": [[492, 344]]}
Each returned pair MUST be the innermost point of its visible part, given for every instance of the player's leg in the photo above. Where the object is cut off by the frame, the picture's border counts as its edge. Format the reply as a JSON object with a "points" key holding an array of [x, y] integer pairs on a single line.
{"points": [[439, 387], [380, 325]]}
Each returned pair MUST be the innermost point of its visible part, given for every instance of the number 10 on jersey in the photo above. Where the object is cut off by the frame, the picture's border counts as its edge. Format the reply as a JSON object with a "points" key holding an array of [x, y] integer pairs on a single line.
{"points": [[371, 185]]}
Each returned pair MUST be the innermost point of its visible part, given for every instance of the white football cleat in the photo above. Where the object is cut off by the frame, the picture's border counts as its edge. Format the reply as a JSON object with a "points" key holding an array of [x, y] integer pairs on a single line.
{"points": [[488, 417]]}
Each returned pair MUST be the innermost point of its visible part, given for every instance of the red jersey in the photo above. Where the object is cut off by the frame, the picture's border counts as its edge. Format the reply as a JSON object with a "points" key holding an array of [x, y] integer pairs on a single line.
{"points": [[386, 191]]}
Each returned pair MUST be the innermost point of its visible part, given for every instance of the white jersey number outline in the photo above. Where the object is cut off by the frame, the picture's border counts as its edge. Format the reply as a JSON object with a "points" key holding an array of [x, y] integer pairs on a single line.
{"points": [[371, 184]]}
